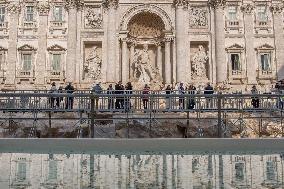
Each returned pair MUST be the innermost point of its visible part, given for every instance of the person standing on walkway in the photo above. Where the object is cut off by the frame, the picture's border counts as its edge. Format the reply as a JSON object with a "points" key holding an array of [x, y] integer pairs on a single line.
{"points": [[119, 90], [191, 100], [69, 100], [255, 99], [52, 91], [128, 91], [145, 99], [97, 90], [208, 90], [181, 91], [110, 91], [169, 91]]}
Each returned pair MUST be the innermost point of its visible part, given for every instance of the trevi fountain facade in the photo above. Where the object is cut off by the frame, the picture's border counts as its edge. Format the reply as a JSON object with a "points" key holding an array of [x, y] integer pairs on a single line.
{"points": [[231, 44]]}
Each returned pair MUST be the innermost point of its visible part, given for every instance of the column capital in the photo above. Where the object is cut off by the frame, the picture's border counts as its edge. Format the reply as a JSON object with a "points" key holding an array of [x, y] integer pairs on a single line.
{"points": [[110, 4], [43, 9], [276, 8], [247, 8], [215, 4], [74, 4], [14, 8], [180, 4]]}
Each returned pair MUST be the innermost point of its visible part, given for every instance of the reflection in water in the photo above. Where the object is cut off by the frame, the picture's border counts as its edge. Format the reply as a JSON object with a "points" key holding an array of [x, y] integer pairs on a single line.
{"points": [[84, 171]]}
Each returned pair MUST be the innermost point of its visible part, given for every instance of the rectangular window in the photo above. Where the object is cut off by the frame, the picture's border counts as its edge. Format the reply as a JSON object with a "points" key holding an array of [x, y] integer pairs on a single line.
{"points": [[52, 170], [265, 62], [262, 13], [235, 62], [58, 14], [239, 171], [27, 62], [30, 14], [22, 171], [232, 13], [2, 14], [56, 59], [270, 171]]}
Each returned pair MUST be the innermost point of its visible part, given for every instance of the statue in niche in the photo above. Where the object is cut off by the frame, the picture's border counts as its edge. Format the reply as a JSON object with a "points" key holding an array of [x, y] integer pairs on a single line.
{"points": [[143, 69], [92, 66], [199, 61]]}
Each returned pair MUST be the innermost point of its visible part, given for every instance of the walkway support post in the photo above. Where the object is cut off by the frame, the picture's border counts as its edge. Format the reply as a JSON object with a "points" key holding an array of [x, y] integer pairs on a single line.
{"points": [[92, 116], [219, 103]]}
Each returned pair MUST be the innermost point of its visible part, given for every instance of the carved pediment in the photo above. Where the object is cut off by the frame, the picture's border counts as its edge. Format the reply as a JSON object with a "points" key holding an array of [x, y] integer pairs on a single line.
{"points": [[26, 47], [235, 47], [56, 48], [3, 49], [265, 47]]}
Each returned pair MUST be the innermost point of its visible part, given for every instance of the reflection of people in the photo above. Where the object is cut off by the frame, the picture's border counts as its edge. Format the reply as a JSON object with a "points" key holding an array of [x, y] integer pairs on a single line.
{"points": [[199, 62]]}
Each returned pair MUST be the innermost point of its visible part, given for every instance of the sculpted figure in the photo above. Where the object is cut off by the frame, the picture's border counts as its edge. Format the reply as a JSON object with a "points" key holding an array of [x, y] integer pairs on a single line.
{"points": [[93, 63], [199, 63], [94, 19]]}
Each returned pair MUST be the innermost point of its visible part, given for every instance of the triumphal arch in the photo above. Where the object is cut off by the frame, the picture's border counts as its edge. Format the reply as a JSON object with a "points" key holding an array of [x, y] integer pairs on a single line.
{"points": [[232, 44]]}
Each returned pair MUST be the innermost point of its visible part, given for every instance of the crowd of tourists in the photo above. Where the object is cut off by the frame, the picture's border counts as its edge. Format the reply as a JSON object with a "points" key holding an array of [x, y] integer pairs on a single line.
{"points": [[123, 102]]}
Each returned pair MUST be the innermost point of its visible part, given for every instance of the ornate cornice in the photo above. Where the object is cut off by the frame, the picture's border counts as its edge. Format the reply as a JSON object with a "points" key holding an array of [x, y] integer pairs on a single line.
{"points": [[247, 8], [43, 8], [74, 4], [217, 3], [277, 8], [181, 3], [110, 4], [14, 8]]}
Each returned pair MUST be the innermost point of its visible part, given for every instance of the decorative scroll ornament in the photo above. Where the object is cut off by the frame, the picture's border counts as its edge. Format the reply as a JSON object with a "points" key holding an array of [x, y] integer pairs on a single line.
{"points": [[247, 8], [198, 17], [199, 61], [110, 3], [93, 63], [276, 8], [181, 3], [217, 3], [43, 8], [94, 19], [78, 4], [14, 8]]}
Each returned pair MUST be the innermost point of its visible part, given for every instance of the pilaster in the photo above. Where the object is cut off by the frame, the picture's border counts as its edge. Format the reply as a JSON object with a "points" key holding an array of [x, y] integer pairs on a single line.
{"points": [[168, 66], [124, 60]]}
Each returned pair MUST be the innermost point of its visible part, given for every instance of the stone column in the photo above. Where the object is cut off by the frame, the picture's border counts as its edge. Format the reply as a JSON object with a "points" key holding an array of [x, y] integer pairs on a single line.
{"points": [[79, 61], [221, 64], [132, 52], [125, 63], [159, 58], [181, 6], [112, 39], [168, 73], [251, 65], [40, 68], [279, 39], [71, 7], [14, 10]]}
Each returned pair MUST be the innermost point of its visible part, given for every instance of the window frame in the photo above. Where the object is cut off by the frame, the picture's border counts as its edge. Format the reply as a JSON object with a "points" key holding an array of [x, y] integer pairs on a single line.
{"points": [[2, 14], [30, 66], [30, 16], [54, 17], [262, 16], [236, 12]]}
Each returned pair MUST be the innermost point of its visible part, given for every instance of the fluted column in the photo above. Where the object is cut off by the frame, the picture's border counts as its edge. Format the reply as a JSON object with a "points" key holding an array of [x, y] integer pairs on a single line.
{"points": [[40, 68], [111, 5], [159, 58], [125, 63], [168, 74], [71, 7], [218, 7], [14, 10], [279, 42], [181, 6], [249, 36]]}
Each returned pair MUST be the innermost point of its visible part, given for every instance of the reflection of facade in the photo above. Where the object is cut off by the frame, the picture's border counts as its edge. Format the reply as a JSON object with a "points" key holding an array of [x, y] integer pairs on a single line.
{"points": [[140, 171], [234, 42]]}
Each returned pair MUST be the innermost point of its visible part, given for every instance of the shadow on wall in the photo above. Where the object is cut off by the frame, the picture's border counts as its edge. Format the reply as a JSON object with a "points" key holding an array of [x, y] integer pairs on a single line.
{"points": [[281, 73]]}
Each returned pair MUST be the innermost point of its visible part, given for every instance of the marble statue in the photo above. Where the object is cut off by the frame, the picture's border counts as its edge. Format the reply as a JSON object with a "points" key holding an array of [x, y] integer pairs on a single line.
{"points": [[199, 61], [92, 64], [94, 19]]}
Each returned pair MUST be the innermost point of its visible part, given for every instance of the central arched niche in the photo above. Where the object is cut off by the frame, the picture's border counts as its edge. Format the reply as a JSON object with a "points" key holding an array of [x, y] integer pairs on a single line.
{"points": [[146, 25]]}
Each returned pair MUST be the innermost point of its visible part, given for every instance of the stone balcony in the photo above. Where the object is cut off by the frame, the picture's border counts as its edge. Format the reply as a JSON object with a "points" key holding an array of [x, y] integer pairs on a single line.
{"points": [[55, 75], [233, 25], [29, 25], [237, 76], [266, 75], [58, 25], [263, 25], [3, 25], [25, 75]]}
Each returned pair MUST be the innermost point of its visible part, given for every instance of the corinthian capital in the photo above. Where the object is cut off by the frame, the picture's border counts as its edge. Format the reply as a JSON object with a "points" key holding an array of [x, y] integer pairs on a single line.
{"points": [[217, 3], [181, 3], [276, 8], [110, 3], [14, 8], [75, 4], [43, 8], [247, 8]]}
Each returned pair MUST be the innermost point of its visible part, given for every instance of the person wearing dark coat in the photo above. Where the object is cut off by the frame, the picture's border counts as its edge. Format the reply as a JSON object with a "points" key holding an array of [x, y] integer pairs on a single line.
{"points": [[69, 100]]}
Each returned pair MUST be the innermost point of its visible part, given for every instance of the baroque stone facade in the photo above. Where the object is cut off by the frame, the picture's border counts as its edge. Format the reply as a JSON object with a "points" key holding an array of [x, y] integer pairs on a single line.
{"points": [[239, 43]]}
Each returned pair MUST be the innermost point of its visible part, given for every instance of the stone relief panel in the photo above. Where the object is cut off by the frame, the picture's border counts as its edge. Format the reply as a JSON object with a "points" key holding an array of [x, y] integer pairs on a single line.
{"points": [[93, 17], [199, 58], [198, 17], [93, 62]]}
